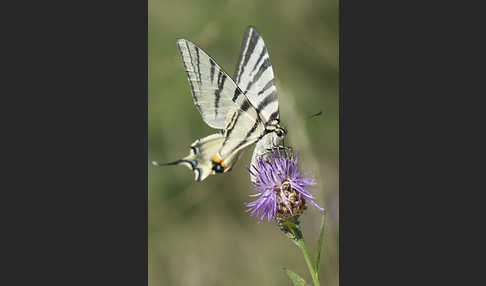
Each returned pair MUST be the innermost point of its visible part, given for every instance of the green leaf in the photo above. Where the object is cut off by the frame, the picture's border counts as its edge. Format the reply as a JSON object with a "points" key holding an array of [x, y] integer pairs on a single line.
{"points": [[319, 242], [289, 224], [296, 279]]}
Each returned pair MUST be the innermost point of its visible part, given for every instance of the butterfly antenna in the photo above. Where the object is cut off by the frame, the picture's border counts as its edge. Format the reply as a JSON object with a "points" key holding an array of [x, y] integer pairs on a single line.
{"points": [[316, 115]]}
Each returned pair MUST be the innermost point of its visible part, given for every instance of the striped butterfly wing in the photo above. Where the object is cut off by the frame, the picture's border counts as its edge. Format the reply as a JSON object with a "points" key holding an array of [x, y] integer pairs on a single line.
{"points": [[244, 128], [199, 156], [254, 75], [222, 106], [265, 144], [220, 101], [211, 88]]}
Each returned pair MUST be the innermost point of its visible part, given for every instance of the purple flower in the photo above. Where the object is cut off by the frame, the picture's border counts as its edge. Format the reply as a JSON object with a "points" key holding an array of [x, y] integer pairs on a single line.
{"points": [[281, 187]]}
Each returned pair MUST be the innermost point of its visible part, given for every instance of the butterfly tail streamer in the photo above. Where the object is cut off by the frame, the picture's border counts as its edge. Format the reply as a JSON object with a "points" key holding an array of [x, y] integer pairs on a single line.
{"points": [[189, 161], [199, 158], [176, 162]]}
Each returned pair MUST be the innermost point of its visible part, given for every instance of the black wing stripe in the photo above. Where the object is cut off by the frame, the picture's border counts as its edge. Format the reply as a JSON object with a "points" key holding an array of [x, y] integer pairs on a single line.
{"points": [[249, 51], [198, 65], [264, 51], [212, 63], [262, 69], [190, 56], [253, 128], [269, 84], [217, 93], [236, 94], [272, 97], [273, 116], [245, 106]]}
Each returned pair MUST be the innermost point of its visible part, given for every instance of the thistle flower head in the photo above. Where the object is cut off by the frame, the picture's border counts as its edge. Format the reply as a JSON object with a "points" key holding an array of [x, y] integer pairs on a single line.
{"points": [[281, 187]]}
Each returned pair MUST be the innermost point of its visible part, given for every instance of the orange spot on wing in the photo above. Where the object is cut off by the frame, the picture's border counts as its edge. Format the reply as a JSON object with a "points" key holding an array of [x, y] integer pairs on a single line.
{"points": [[215, 158]]}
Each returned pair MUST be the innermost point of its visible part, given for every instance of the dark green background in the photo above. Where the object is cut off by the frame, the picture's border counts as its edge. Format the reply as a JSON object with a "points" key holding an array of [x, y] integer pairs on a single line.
{"points": [[199, 233]]}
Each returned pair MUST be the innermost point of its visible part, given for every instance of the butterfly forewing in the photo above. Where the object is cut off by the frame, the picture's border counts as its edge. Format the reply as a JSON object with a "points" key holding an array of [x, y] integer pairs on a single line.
{"points": [[214, 93], [254, 75]]}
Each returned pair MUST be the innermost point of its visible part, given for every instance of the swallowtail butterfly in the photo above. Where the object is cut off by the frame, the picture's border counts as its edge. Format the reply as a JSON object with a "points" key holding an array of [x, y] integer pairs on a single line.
{"points": [[244, 108]]}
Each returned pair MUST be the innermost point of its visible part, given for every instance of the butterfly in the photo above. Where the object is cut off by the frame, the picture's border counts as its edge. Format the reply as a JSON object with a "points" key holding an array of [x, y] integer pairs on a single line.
{"points": [[244, 108]]}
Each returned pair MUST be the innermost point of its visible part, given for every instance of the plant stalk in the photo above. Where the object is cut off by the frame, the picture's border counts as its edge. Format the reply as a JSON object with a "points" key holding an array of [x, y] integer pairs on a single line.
{"points": [[312, 271]]}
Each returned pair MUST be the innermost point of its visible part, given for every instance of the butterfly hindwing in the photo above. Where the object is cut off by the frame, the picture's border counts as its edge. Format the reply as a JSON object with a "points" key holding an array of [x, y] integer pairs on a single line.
{"points": [[244, 128], [199, 158]]}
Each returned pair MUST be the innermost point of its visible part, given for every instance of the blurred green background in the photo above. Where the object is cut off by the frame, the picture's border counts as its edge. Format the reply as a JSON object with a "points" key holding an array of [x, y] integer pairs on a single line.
{"points": [[199, 233]]}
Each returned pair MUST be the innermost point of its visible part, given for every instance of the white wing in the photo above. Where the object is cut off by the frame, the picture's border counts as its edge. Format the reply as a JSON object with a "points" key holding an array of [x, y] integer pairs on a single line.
{"points": [[241, 131], [213, 91], [266, 143], [254, 75], [199, 158], [222, 106]]}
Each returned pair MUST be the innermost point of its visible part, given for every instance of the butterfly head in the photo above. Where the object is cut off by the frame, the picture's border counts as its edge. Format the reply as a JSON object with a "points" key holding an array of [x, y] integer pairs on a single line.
{"points": [[281, 131], [274, 126]]}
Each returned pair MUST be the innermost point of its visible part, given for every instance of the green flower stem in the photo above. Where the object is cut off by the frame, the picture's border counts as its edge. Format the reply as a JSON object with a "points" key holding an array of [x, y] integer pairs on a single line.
{"points": [[303, 248], [319, 242], [291, 228]]}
